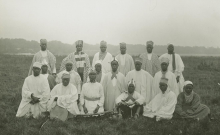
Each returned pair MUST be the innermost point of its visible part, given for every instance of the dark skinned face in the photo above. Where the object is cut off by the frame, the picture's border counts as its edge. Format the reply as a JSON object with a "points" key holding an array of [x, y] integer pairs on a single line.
{"points": [[98, 68], [131, 88], [65, 81], [114, 65], [69, 67], [79, 47], [43, 46], [170, 49], [163, 87], [149, 48], [123, 49], [188, 89], [138, 65], [164, 66], [92, 77], [44, 69], [36, 71], [103, 48]]}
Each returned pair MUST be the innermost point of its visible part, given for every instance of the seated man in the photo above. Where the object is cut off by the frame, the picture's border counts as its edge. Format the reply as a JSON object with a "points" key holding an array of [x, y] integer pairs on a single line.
{"points": [[92, 96], [44, 72], [99, 74], [63, 99], [188, 104], [35, 94], [74, 76], [163, 104], [130, 103]]}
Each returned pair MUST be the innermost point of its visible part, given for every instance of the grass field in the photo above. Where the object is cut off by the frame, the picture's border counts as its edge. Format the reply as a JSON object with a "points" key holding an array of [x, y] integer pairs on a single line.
{"points": [[203, 71]]}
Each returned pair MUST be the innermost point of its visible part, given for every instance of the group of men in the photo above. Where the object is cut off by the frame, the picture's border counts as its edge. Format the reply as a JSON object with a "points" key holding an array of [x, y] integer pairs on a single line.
{"points": [[149, 85]]}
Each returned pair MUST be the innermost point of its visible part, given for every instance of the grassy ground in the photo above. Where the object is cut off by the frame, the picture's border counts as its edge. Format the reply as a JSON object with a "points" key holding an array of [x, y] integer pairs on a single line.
{"points": [[14, 69]]}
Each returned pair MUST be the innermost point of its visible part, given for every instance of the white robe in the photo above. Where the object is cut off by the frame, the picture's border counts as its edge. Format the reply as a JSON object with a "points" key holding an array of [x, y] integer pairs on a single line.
{"points": [[74, 79], [92, 91], [106, 62], [172, 84], [126, 63], [162, 105], [67, 98], [143, 81], [179, 68], [137, 96], [39, 86]]}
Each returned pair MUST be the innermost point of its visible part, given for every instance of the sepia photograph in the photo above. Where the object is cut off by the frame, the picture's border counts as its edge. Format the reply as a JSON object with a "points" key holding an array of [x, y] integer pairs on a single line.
{"points": [[109, 67]]}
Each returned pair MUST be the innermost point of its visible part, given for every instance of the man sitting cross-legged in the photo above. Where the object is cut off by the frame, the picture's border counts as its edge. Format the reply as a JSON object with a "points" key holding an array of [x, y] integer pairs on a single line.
{"points": [[35, 94], [92, 96], [63, 99], [163, 104], [130, 103]]}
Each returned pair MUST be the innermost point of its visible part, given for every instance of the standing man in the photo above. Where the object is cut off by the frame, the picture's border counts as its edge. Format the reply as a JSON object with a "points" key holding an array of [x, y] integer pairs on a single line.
{"points": [[164, 73], [126, 62], [151, 62], [42, 55], [113, 85], [143, 80], [80, 60], [35, 94], [104, 56], [175, 65]]}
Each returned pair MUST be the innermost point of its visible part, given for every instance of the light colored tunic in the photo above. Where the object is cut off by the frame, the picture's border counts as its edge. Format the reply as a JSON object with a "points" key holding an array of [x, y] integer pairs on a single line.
{"points": [[151, 63], [67, 98], [126, 63], [143, 81], [162, 105], [137, 96], [179, 68], [40, 57], [111, 92], [74, 79], [193, 109], [171, 83], [92, 95], [40, 88], [106, 62]]}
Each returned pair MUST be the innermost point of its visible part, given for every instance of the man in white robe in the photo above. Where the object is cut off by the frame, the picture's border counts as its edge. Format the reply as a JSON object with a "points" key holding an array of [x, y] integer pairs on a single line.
{"points": [[63, 99], [130, 102], [113, 85], [151, 62], [164, 73], [175, 65], [163, 104], [99, 74], [92, 96], [126, 62], [42, 55], [104, 56], [143, 80], [35, 94], [74, 76]]}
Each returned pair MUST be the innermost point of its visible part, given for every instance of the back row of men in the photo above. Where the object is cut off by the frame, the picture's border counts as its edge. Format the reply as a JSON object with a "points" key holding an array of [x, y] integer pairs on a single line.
{"points": [[149, 85]]}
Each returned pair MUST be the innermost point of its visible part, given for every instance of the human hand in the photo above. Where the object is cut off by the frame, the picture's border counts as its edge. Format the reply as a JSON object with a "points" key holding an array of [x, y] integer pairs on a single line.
{"points": [[177, 79], [96, 109], [85, 110], [55, 99]]}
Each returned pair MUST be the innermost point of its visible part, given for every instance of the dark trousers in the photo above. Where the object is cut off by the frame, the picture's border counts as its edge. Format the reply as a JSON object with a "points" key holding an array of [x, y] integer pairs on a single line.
{"points": [[128, 112]]}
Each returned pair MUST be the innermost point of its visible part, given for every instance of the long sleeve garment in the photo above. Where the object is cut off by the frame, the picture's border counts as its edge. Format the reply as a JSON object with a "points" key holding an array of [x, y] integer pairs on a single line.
{"points": [[162, 106], [136, 96], [126, 63], [40, 57], [67, 98], [143, 81], [92, 95], [106, 62], [39, 87]]}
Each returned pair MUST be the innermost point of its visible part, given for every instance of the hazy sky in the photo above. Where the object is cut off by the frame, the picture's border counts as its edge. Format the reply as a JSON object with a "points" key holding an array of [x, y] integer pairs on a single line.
{"points": [[181, 22]]}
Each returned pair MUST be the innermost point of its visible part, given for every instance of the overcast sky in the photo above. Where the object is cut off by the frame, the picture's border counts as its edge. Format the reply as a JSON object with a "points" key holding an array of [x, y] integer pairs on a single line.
{"points": [[181, 22]]}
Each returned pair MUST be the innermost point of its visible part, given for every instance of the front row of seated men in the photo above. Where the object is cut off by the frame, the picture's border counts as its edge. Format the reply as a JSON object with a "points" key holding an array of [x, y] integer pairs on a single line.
{"points": [[63, 100]]}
